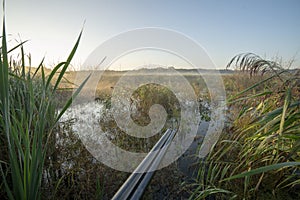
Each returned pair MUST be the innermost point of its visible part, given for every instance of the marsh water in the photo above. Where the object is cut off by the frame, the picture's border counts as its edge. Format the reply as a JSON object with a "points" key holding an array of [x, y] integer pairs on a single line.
{"points": [[169, 182]]}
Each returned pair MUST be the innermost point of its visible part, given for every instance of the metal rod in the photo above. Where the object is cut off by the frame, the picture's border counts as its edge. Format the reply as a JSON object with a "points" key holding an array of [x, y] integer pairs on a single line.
{"points": [[131, 183], [147, 177]]}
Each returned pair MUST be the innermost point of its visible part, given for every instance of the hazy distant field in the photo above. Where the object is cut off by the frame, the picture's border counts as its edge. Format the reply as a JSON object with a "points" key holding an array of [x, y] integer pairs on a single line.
{"points": [[109, 79]]}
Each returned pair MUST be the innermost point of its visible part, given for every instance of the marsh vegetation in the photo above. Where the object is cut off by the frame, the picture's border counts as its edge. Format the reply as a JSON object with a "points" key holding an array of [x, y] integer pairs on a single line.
{"points": [[42, 157]]}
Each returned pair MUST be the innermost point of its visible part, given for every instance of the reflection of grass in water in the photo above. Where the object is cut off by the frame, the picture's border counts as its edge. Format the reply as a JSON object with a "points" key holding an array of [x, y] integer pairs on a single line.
{"points": [[146, 96], [125, 141], [75, 174], [142, 99], [74, 178]]}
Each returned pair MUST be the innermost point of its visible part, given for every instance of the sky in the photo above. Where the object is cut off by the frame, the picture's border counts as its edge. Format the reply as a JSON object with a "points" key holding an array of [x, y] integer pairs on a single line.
{"points": [[224, 28]]}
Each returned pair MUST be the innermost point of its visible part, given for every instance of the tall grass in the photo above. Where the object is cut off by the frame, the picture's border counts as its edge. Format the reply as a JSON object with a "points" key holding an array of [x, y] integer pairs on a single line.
{"points": [[258, 155], [28, 116]]}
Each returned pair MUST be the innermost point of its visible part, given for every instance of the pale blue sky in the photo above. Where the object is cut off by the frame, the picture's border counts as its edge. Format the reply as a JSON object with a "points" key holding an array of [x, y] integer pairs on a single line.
{"points": [[224, 28]]}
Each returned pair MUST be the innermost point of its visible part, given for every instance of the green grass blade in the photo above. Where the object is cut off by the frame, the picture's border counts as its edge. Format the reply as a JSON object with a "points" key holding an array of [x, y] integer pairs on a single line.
{"points": [[7, 189], [23, 62], [286, 105], [263, 169], [38, 68], [16, 47], [69, 102], [67, 63], [251, 96], [53, 72], [254, 86]]}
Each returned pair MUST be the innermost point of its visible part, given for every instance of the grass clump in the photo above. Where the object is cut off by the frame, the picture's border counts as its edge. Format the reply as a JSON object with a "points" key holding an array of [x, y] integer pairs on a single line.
{"points": [[258, 155], [28, 117]]}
